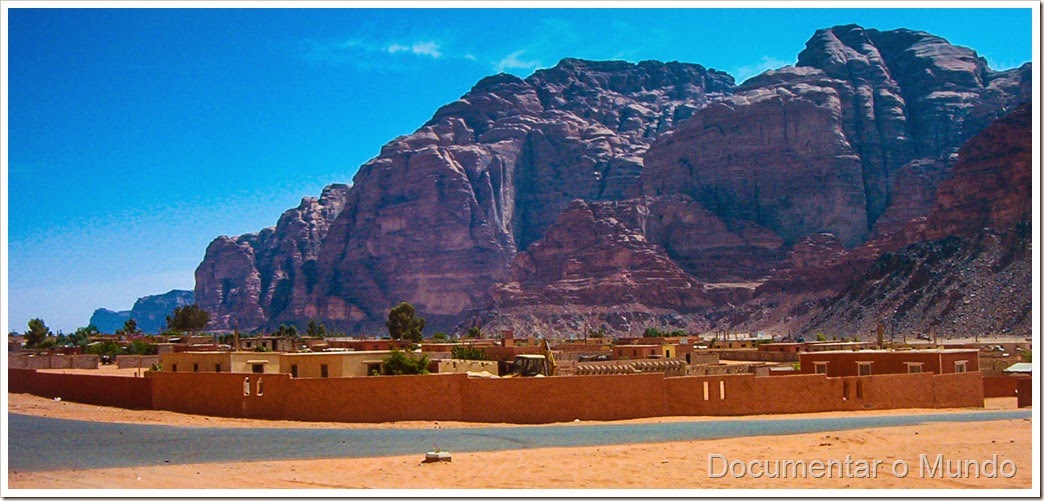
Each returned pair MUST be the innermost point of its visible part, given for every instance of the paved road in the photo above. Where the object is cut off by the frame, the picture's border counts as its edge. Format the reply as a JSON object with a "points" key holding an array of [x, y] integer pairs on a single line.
{"points": [[38, 444]]}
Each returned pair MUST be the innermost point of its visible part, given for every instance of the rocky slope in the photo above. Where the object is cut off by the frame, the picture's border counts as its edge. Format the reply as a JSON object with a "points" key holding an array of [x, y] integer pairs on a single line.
{"points": [[695, 193], [243, 280], [963, 270], [150, 312]]}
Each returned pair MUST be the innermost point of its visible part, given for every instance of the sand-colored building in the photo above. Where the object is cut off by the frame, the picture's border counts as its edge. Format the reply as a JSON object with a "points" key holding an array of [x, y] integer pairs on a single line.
{"points": [[642, 351], [305, 365], [333, 364], [218, 361]]}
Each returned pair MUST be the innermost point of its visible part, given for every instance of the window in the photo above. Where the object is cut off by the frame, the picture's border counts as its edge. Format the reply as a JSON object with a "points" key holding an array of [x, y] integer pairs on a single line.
{"points": [[173, 367], [324, 370], [293, 370], [217, 367], [260, 389], [960, 366], [721, 390], [914, 367], [864, 368], [246, 387], [821, 367], [257, 368], [706, 390], [195, 367]]}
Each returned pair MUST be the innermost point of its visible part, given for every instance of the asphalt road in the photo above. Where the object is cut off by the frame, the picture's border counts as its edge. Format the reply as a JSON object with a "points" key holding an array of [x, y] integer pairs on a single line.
{"points": [[40, 444]]}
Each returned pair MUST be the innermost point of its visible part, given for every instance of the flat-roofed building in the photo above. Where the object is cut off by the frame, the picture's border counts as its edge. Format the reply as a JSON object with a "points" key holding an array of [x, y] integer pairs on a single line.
{"points": [[333, 364], [220, 361], [874, 362], [643, 351]]}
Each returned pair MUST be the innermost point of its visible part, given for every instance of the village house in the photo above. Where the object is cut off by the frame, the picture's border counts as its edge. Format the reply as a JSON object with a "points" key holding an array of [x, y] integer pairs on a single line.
{"points": [[875, 362]]}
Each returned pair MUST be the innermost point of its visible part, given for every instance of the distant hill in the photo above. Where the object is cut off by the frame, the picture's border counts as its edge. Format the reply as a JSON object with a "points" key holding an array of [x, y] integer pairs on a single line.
{"points": [[150, 312]]}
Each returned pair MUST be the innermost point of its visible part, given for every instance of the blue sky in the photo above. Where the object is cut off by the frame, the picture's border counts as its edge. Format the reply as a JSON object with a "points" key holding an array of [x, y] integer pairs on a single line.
{"points": [[136, 136]]}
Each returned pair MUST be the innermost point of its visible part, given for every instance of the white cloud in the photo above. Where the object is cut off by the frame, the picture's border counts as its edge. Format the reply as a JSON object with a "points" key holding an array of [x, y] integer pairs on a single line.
{"points": [[767, 63], [367, 52], [512, 61], [426, 49], [430, 49], [470, 57]]}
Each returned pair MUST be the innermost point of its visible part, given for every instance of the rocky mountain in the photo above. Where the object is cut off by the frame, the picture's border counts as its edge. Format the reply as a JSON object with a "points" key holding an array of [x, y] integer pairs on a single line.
{"points": [[437, 217], [634, 193], [150, 312], [965, 269]]}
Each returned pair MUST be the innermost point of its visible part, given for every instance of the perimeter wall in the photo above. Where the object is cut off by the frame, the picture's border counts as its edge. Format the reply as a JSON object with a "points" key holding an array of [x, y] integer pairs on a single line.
{"points": [[455, 397]]}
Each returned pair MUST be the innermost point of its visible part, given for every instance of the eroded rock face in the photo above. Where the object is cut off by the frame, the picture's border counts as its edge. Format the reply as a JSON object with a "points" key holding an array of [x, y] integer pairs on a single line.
{"points": [[597, 254], [832, 144], [705, 183], [244, 281], [438, 216], [992, 183], [963, 270]]}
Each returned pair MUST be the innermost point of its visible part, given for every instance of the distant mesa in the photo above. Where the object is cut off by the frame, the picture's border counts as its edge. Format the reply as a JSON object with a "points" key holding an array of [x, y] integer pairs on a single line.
{"points": [[150, 312]]}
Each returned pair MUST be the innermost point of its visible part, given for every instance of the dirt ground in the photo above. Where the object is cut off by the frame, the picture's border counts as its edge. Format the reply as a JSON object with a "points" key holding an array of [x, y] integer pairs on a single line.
{"points": [[673, 465]]}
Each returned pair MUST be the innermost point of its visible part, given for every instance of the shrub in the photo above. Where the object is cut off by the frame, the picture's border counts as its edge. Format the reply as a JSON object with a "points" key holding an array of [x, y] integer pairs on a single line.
{"points": [[399, 363], [468, 352]]}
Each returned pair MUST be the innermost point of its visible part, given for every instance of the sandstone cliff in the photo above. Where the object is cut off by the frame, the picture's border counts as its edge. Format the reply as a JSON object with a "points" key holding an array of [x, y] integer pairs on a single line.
{"points": [[437, 217], [695, 193], [836, 143], [963, 270]]}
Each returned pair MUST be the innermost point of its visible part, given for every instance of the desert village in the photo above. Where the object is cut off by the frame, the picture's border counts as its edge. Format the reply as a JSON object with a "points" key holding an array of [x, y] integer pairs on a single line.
{"points": [[511, 379]]}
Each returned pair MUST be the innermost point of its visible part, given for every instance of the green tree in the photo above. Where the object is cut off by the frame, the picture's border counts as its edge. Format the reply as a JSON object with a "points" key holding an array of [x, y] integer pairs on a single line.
{"points": [[440, 337], [36, 334], [104, 348], [600, 333], [399, 363], [403, 323], [653, 332], [130, 328], [468, 352], [140, 347], [189, 318], [82, 336], [285, 330], [820, 337], [315, 329], [475, 332]]}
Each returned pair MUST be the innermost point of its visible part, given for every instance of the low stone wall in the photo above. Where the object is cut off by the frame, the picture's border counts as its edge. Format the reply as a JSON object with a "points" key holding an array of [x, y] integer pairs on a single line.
{"points": [[135, 361], [27, 361]]}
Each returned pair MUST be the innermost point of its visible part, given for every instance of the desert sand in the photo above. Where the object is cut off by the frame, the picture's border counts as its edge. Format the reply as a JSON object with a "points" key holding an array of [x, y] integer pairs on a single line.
{"points": [[673, 465]]}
